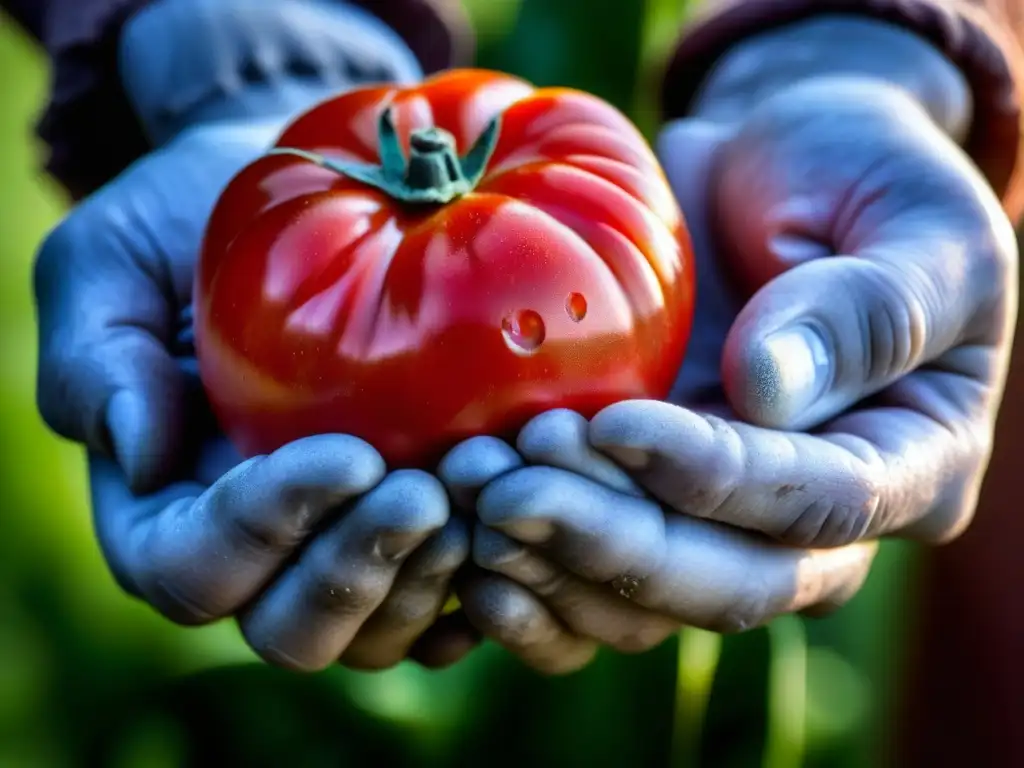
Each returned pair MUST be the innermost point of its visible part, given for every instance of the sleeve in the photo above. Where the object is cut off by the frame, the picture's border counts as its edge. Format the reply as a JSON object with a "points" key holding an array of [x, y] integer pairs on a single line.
{"points": [[982, 37], [88, 124]]}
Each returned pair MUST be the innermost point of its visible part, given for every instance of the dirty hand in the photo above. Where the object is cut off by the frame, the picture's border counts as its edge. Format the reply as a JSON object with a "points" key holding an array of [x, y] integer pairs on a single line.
{"points": [[856, 301], [315, 549]]}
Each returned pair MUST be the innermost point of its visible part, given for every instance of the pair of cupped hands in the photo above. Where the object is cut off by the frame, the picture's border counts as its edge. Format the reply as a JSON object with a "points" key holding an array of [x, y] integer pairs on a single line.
{"points": [[850, 397]]}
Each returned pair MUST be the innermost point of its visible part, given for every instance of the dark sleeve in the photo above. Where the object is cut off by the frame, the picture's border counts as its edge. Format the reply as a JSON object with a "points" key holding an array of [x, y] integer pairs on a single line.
{"points": [[89, 126]]}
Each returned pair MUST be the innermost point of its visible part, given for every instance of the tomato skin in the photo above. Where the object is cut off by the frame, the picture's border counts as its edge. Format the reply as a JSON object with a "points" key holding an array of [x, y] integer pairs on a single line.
{"points": [[565, 279]]}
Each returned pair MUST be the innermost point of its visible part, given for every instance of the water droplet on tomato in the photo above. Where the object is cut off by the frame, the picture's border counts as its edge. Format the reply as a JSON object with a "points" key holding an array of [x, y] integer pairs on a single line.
{"points": [[523, 330], [576, 306]]}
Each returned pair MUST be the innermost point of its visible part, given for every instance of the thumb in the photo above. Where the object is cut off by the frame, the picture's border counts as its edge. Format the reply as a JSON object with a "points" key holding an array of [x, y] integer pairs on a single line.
{"points": [[111, 283], [106, 377], [919, 253]]}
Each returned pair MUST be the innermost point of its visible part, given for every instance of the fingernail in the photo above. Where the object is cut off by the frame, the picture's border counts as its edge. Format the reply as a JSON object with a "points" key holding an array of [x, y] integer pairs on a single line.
{"points": [[399, 545], [527, 530], [788, 375], [125, 417], [627, 457]]}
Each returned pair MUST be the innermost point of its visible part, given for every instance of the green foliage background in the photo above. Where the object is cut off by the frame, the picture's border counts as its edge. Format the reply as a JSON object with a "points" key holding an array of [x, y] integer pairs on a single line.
{"points": [[88, 676]]}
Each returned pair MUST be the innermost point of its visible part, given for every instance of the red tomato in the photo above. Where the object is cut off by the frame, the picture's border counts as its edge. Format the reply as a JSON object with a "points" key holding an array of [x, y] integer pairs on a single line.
{"points": [[441, 298]]}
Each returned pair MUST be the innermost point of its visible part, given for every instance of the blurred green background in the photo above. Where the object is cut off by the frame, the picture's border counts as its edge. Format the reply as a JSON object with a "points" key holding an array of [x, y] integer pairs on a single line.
{"points": [[90, 677]]}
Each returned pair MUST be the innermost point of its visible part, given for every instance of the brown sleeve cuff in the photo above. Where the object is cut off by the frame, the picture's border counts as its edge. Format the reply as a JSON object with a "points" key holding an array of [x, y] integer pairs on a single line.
{"points": [[991, 60], [89, 125]]}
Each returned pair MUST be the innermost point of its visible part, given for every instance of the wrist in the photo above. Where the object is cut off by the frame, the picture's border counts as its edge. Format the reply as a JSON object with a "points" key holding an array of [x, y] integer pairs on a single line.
{"points": [[185, 62], [837, 46]]}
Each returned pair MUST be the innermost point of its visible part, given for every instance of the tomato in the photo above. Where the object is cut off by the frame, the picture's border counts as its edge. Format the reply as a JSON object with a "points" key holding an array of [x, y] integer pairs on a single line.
{"points": [[418, 265]]}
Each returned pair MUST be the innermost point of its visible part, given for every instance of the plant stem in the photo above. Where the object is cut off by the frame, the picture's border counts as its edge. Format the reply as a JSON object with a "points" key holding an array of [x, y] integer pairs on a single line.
{"points": [[662, 24], [787, 694], [696, 663]]}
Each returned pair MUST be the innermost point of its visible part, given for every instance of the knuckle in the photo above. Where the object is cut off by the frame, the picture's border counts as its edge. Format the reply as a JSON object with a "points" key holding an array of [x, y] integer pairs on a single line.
{"points": [[829, 523], [282, 534], [256, 528], [902, 302], [846, 513], [721, 474]]}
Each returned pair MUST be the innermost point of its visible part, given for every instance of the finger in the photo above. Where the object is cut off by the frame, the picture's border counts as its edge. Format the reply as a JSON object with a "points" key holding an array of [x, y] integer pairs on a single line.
{"points": [[796, 488], [703, 573], [517, 620], [726, 580], [414, 603], [558, 438], [472, 464], [926, 252], [198, 554], [306, 619], [106, 377], [449, 640], [588, 609], [599, 533], [880, 471]]}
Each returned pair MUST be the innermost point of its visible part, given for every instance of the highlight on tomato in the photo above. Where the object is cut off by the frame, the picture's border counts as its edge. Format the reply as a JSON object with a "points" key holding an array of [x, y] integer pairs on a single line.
{"points": [[418, 265]]}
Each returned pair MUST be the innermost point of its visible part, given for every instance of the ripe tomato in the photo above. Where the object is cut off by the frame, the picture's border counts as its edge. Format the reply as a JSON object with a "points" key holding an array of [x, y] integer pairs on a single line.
{"points": [[441, 295]]}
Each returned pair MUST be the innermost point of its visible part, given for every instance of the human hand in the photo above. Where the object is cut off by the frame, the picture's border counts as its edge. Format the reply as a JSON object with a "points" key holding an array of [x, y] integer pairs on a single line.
{"points": [[851, 397], [314, 548]]}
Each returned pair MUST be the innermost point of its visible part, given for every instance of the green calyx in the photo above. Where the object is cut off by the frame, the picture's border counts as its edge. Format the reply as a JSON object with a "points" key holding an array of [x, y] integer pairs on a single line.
{"points": [[433, 174]]}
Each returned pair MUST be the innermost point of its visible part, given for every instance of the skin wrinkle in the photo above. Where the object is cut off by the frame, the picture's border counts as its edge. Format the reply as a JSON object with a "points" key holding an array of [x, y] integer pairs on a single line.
{"points": [[528, 629], [418, 594], [755, 581], [548, 582]]}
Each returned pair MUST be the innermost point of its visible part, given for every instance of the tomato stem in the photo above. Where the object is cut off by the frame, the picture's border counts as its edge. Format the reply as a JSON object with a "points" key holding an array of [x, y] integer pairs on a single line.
{"points": [[434, 174]]}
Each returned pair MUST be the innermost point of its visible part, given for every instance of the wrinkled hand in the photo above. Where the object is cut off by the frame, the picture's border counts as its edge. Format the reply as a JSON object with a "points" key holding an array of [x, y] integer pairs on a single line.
{"points": [[852, 397], [314, 548]]}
